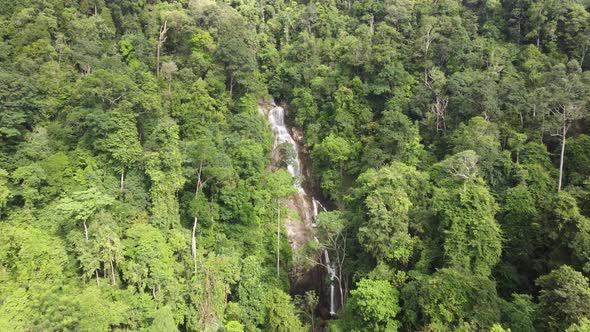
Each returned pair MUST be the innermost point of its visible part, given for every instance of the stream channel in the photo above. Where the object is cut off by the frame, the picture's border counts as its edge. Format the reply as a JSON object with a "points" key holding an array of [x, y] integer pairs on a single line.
{"points": [[321, 277]]}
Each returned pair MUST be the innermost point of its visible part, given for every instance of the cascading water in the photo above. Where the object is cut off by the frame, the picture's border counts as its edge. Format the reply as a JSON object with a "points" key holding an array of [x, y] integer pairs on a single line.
{"points": [[276, 117], [329, 265], [332, 273]]}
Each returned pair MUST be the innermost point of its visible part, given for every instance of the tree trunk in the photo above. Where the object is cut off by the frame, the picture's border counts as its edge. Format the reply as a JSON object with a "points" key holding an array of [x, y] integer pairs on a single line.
{"points": [[122, 182], [194, 243], [158, 61], [161, 39], [194, 231], [231, 85], [278, 234], [85, 231], [340, 288], [562, 154], [113, 273]]}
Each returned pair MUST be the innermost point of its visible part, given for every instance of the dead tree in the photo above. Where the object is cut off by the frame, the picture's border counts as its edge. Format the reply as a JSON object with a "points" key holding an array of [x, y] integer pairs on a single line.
{"points": [[161, 39]]}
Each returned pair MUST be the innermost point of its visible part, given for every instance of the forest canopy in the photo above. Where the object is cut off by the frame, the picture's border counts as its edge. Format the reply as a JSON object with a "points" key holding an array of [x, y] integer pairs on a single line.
{"points": [[140, 189]]}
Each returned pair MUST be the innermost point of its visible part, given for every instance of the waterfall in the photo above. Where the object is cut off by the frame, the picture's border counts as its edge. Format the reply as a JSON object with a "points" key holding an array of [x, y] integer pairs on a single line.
{"points": [[329, 265], [276, 117], [332, 273]]}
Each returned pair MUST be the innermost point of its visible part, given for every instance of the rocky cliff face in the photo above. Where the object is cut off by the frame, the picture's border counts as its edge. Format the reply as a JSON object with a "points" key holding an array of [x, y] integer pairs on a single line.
{"points": [[306, 275]]}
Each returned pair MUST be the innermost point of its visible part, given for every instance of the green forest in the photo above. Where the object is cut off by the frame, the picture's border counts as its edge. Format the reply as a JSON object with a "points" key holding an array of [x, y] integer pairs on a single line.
{"points": [[432, 172]]}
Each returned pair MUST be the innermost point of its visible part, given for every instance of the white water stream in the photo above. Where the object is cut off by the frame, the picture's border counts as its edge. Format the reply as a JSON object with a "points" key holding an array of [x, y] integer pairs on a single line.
{"points": [[276, 117]]}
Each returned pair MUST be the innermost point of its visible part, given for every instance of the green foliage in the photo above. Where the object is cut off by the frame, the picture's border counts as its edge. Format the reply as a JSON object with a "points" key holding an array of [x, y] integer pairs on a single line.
{"points": [[451, 299], [252, 292], [29, 254], [483, 138], [519, 314], [387, 196], [82, 205], [399, 139], [434, 132], [4, 191], [164, 167], [373, 305], [163, 320], [563, 298], [148, 259], [472, 237], [19, 102], [281, 313], [331, 156], [577, 163], [233, 326], [582, 326]]}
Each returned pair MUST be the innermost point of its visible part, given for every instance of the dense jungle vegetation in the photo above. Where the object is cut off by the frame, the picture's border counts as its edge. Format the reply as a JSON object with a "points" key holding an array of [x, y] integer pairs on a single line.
{"points": [[449, 138]]}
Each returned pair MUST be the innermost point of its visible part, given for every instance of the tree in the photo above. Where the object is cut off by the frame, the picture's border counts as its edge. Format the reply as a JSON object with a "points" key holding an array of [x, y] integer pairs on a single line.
{"points": [[569, 231], [122, 142], [252, 292], [82, 205], [19, 100], [568, 100], [168, 69], [31, 179], [374, 305], [281, 313], [148, 260], [212, 289], [308, 303], [574, 32], [332, 232], [472, 237], [350, 115], [582, 326], [399, 139], [518, 218], [31, 255], [164, 168], [280, 185], [452, 300], [234, 326], [104, 248], [386, 196], [483, 137], [305, 107], [161, 40], [330, 158], [520, 313], [164, 320], [563, 299], [207, 163], [577, 160], [96, 312], [235, 50], [4, 191]]}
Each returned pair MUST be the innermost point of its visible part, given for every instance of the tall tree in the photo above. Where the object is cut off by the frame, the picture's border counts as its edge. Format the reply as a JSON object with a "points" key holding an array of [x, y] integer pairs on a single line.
{"points": [[563, 299], [568, 98], [472, 237]]}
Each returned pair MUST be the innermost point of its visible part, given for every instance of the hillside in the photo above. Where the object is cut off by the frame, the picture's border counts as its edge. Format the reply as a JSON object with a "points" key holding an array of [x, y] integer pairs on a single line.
{"points": [[330, 165]]}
